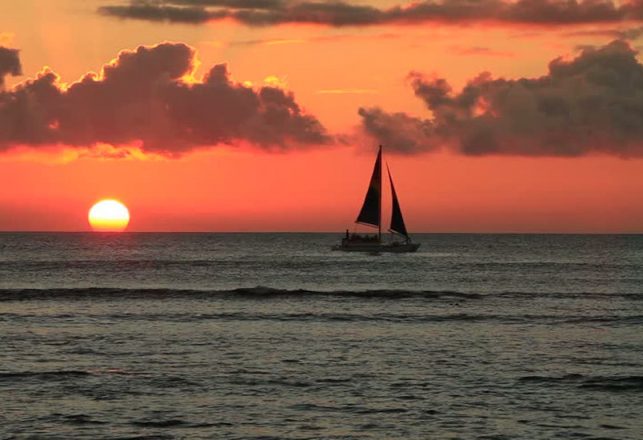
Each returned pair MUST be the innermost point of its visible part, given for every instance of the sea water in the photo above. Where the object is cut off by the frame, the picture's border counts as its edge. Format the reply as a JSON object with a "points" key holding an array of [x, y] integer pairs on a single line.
{"points": [[261, 336]]}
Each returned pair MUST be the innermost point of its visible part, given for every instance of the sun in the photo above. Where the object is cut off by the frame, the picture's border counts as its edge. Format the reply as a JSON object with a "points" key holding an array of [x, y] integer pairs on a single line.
{"points": [[108, 215]]}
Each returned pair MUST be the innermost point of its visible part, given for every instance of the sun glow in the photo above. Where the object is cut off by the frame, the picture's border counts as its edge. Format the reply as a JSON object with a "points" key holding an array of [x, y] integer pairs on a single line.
{"points": [[108, 215]]}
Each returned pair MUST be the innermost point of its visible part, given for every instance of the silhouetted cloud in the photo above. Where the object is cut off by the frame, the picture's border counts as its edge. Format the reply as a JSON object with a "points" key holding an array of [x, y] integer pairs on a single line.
{"points": [[9, 64], [339, 13], [141, 98], [236, 4], [593, 103], [398, 131], [159, 13]]}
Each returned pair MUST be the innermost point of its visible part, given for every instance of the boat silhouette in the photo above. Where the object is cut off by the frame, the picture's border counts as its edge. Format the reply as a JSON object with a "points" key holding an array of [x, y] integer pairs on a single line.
{"points": [[371, 215]]}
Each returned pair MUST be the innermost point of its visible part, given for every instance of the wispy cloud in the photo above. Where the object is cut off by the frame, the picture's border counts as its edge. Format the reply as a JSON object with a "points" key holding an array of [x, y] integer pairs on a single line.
{"points": [[339, 38], [620, 34], [479, 50], [269, 42]]}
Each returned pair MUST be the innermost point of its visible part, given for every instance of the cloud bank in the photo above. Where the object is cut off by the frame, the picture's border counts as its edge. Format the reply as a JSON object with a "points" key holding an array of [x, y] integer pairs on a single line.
{"points": [[340, 13], [148, 98], [590, 104], [143, 98]]}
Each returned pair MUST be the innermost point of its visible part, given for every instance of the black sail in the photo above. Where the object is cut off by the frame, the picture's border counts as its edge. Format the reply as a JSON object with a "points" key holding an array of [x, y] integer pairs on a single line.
{"points": [[397, 221], [371, 212]]}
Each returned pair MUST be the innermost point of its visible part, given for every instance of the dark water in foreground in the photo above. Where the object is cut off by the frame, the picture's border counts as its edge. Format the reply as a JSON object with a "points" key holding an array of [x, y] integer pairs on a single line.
{"points": [[274, 336]]}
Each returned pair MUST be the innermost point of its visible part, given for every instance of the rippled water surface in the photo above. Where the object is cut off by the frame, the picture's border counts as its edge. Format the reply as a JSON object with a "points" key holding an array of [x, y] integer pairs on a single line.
{"points": [[275, 336]]}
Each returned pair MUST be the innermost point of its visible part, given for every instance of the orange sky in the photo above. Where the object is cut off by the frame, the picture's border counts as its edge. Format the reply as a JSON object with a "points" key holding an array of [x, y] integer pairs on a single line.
{"points": [[332, 72]]}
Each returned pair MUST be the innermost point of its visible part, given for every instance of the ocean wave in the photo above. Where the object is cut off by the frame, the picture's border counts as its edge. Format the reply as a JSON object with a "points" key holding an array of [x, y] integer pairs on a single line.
{"points": [[251, 292], [166, 423], [43, 375], [631, 296], [257, 292], [54, 375], [419, 317], [78, 419], [600, 383]]}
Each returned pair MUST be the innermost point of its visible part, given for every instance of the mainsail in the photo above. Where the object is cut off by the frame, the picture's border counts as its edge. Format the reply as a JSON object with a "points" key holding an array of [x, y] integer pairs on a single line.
{"points": [[397, 221], [371, 211]]}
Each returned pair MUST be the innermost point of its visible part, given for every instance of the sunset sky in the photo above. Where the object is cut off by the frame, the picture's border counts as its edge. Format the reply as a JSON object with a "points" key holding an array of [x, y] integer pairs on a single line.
{"points": [[265, 115]]}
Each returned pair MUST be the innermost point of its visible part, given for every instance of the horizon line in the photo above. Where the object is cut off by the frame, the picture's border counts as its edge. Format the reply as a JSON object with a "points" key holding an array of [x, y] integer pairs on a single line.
{"points": [[315, 232]]}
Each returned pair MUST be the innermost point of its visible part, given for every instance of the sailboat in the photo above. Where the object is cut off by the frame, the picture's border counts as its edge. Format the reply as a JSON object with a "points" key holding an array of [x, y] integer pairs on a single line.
{"points": [[371, 215]]}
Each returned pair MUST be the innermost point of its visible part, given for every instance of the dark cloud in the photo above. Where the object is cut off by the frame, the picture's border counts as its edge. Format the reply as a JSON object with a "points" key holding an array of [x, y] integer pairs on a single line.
{"points": [[185, 11], [406, 133], [593, 103], [235, 4], [159, 13], [339, 13], [141, 98], [9, 64], [333, 14]]}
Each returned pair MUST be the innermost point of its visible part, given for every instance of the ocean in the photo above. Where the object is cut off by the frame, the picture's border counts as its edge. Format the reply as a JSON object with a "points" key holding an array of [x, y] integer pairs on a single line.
{"points": [[274, 336]]}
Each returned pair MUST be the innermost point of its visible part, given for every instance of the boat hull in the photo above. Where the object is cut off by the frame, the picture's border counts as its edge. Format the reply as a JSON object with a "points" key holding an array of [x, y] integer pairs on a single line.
{"points": [[377, 247]]}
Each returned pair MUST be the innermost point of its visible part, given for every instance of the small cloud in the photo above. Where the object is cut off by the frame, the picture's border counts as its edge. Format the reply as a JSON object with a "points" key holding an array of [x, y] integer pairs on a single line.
{"points": [[479, 50], [268, 42]]}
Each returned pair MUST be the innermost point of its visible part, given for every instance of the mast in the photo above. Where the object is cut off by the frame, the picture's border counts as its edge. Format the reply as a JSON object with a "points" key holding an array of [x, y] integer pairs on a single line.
{"points": [[379, 223]]}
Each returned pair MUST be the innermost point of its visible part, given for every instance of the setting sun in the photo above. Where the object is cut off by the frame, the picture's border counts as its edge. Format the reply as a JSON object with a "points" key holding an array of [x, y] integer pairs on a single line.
{"points": [[108, 215]]}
